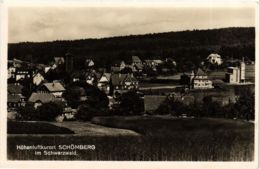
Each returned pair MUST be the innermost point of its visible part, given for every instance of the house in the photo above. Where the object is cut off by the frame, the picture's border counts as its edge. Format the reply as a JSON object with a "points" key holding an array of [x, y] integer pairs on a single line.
{"points": [[198, 80], [122, 65], [14, 89], [236, 75], [15, 99], [23, 73], [38, 79], [153, 102], [39, 98], [214, 59], [201, 81], [91, 77], [55, 88], [103, 83], [11, 72], [115, 69], [137, 64], [123, 82], [59, 60], [89, 63]]}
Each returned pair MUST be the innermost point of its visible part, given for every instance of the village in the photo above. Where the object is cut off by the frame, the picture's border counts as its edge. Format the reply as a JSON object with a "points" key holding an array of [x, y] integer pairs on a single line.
{"points": [[38, 84]]}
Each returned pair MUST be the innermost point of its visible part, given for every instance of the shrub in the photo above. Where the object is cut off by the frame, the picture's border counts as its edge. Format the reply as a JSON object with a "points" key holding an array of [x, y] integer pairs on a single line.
{"points": [[27, 112], [49, 111]]}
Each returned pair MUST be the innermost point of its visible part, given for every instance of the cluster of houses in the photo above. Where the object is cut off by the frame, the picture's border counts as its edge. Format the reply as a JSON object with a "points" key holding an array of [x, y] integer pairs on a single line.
{"points": [[114, 82]]}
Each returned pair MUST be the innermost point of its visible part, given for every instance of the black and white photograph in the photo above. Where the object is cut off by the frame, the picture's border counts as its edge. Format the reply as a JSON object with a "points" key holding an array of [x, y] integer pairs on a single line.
{"points": [[132, 83]]}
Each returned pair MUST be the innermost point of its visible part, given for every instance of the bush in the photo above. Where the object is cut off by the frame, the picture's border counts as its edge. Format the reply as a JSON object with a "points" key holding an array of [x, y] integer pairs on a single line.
{"points": [[87, 111], [49, 111], [27, 113], [131, 104]]}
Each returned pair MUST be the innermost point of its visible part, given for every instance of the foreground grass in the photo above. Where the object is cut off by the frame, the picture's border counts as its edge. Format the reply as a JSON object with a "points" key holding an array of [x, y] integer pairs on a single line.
{"points": [[19, 127], [163, 139]]}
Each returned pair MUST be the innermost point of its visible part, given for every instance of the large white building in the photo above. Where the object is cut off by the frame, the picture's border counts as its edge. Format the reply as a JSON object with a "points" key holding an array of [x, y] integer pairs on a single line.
{"points": [[236, 74], [214, 59], [197, 80]]}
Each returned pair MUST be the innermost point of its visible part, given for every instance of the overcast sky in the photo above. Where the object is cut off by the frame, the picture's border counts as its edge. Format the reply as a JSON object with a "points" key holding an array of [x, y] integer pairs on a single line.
{"points": [[54, 23]]}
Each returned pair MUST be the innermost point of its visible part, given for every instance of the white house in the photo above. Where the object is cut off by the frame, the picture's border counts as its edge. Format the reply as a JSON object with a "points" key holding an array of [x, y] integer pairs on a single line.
{"points": [[38, 79], [214, 59], [236, 74], [201, 81]]}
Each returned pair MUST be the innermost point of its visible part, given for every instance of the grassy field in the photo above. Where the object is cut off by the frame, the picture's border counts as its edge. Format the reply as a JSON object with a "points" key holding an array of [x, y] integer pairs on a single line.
{"points": [[18, 127], [161, 139]]}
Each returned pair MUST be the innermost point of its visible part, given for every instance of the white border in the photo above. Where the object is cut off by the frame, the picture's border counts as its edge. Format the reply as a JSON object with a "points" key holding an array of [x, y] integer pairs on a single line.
{"points": [[116, 3]]}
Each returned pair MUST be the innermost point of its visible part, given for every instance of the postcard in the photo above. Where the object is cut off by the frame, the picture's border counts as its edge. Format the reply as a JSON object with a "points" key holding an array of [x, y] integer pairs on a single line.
{"points": [[129, 84]]}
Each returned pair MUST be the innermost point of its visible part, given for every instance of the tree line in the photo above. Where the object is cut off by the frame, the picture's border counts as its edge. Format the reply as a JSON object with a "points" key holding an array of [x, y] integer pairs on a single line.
{"points": [[183, 46]]}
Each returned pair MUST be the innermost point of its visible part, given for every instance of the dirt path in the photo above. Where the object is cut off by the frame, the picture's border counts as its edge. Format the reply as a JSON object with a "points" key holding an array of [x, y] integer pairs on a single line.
{"points": [[89, 129]]}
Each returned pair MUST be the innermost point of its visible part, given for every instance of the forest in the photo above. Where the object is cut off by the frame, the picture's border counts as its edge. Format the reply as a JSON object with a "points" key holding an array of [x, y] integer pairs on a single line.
{"points": [[183, 46]]}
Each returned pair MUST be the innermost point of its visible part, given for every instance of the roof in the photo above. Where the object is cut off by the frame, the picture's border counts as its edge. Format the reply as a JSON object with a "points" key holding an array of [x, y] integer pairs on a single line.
{"points": [[158, 61], [105, 77], [13, 98], [200, 72], [89, 62], [14, 89], [217, 82], [213, 55], [136, 59], [115, 69], [130, 77], [42, 97], [152, 102], [54, 87], [233, 67], [117, 79], [59, 60]]}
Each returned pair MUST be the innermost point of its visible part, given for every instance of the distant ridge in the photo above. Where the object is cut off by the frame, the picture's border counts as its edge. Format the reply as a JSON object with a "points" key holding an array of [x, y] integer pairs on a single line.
{"points": [[188, 45]]}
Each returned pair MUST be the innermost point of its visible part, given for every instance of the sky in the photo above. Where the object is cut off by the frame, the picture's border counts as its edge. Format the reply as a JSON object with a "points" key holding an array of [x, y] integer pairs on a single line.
{"points": [[39, 24]]}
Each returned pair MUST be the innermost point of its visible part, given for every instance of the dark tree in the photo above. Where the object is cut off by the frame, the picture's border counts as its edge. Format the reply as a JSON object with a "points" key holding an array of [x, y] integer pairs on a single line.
{"points": [[49, 111], [131, 103]]}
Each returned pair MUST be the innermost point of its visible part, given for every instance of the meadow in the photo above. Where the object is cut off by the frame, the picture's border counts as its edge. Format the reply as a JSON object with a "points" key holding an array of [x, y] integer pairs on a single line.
{"points": [[161, 139]]}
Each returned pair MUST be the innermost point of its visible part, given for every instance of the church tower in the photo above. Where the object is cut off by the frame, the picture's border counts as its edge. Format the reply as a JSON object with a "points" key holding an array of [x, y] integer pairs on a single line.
{"points": [[69, 62]]}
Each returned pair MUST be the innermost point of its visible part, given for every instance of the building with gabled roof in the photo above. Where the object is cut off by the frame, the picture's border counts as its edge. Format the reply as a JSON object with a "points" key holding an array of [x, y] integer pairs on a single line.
{"points": [[55, 88], [38, 78], [14, 88], [39, 98], [214, 58], [137, 64], [15, 101], [103, 82], [123, 82], [198, 80], [59, 60]]}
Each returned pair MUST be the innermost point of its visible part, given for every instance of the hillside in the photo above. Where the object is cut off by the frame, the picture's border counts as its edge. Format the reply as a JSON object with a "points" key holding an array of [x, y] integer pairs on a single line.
{"points": [[183, 46]]}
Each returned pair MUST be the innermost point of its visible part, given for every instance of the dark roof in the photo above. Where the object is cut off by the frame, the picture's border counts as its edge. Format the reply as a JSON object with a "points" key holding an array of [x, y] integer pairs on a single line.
{"points": [[14, 88], [117, 79], [54, 87], [13, 98], [43, 97], [115, 69], [136, 59], [200, 72]]}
